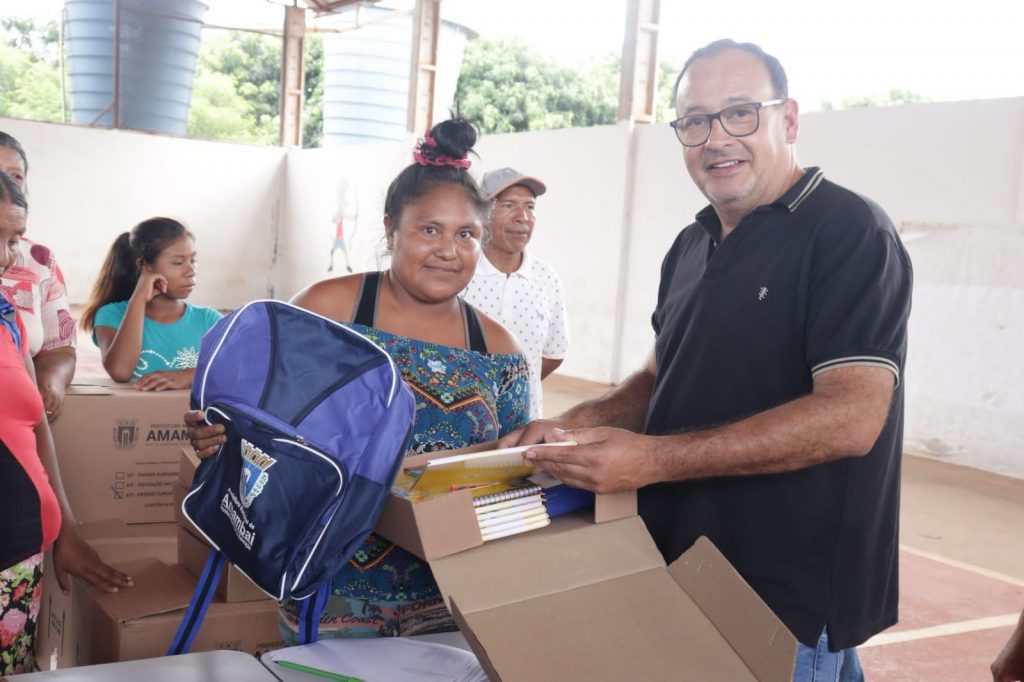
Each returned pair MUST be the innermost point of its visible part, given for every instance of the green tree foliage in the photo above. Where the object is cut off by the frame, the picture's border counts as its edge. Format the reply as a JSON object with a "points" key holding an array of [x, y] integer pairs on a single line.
{"points": [[505, 86], [41, 41], [237, 89], [894, 97], [29, 72], [313, 93]]}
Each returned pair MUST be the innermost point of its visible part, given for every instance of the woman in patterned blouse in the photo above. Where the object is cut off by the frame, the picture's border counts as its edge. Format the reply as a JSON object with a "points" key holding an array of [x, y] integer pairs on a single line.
{"points": [[34, 284], [467, 372]]}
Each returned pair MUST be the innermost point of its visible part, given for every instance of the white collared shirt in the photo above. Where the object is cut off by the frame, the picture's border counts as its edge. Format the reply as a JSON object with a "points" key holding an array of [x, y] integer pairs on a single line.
{"points": [[530, 304]]}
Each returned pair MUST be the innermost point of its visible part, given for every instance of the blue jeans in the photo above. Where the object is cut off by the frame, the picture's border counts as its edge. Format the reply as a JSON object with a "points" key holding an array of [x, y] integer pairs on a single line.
{"points": [[818, 664]]}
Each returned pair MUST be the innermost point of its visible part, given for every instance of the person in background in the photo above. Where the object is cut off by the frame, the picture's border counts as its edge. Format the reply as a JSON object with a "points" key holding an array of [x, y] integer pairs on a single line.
{"points": [[769, 416], [33, 507], [465, 369], [519, 290], [34, 284], [138, 314], [1009, 664]]}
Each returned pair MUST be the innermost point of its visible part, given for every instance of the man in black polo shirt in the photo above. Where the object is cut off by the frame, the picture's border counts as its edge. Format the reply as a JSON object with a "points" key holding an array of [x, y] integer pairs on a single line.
{"points": [[772, 406]]}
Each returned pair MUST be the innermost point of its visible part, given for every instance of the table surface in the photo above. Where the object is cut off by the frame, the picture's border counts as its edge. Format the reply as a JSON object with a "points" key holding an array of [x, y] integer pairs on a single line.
{"points": [[454, 639], [203, 666]]}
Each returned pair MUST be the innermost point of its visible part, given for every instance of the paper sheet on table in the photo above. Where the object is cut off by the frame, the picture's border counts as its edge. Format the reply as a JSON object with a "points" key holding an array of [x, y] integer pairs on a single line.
{"points": [[387, 659]]}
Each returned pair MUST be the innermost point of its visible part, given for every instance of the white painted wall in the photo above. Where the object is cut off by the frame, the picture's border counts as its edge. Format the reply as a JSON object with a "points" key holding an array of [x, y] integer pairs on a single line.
{"points": [[579, 227], [965, 377], [87, 185], [952, 173], [314, 184]]}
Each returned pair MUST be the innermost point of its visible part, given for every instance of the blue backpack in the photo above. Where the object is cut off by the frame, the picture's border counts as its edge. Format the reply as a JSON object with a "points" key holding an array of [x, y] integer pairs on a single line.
{"points": [[317, 417]]}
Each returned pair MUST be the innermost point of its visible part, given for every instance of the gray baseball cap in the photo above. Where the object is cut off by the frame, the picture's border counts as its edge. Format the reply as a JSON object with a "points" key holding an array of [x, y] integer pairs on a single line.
{"points": [[497, 181]]}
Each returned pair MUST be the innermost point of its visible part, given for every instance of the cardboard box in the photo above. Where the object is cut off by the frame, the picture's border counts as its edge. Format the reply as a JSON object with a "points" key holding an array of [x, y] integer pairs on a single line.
{"points": [[234, 586], [187, 465], [445, 525], [118, 450], [140, 623], [586, 601], [115, 542], [178, 493]]}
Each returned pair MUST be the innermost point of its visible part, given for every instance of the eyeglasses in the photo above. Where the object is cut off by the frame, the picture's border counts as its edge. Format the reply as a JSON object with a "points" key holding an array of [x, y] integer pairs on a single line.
{"points": [[739, 120]]}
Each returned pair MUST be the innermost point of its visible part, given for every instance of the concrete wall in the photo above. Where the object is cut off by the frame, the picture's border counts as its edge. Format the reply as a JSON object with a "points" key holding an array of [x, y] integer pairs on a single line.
{"points": [[578, 229], [88, 185], [952, 174]]}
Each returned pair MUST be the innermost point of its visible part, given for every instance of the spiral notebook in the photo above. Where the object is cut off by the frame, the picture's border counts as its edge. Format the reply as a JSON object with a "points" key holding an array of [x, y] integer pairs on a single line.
{"points": [[503, 492]]}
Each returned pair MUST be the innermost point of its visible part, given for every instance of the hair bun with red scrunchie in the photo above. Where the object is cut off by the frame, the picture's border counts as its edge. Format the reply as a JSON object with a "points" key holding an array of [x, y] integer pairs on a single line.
{"points": [[446, 144]]}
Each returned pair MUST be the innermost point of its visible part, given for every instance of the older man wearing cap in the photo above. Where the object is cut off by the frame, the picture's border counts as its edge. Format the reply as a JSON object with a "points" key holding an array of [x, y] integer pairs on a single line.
{"points": [[521, 291]]}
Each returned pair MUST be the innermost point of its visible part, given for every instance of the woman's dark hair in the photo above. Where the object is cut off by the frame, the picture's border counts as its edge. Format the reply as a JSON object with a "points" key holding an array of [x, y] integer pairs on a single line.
{"points": [[120, 271], [780, 84], [11, 143], [453, 140], [10, 193]]}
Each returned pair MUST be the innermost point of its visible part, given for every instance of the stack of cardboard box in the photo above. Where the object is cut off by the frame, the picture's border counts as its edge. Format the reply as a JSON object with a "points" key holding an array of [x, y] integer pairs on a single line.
{"points": [[588, 597], [120, 456]]}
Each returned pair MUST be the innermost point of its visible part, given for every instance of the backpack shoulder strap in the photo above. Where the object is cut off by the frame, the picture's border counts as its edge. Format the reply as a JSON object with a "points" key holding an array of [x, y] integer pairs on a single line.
{"points": [[366, 301], [475, 339], [197, 606], [310, 609]]}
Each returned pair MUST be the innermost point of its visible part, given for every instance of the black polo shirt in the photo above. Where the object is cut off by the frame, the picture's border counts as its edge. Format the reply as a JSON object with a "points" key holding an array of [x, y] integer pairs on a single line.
{"points": [[816, 280]]}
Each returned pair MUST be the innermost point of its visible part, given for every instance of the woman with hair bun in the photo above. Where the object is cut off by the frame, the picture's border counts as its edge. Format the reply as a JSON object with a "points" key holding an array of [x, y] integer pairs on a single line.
{"points": [[466, 370]]}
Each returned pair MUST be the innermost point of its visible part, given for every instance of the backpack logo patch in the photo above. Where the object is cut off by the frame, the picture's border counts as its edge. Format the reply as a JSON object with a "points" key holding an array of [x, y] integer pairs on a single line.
{"points": [[254, 472]]}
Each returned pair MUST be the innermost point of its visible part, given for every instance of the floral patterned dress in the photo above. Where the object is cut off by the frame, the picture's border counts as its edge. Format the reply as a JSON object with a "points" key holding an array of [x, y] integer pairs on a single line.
{"points": [[462, 397], [20, 593]]}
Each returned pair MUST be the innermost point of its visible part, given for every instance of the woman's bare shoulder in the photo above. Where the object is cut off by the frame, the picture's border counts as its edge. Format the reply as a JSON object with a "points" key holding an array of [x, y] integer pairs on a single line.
{"points": [[333, 298], [499, 339]]}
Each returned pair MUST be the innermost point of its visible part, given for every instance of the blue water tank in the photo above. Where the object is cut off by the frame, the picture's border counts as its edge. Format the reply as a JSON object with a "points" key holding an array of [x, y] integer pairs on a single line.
{"points": [[366, 75], [159, 42]]}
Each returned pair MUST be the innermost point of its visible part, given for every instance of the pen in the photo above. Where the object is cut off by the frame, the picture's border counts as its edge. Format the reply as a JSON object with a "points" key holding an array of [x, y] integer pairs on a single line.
{"points": [[326, 674]]}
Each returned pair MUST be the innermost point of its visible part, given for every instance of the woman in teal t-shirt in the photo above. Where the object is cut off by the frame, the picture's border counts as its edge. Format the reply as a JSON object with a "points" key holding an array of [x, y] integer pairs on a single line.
{"points": [[138, 314]]}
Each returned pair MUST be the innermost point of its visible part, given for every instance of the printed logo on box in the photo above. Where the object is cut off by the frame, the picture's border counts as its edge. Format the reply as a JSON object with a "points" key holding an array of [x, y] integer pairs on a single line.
{"points": [[254, 472], [164, 434], [126, 434]]}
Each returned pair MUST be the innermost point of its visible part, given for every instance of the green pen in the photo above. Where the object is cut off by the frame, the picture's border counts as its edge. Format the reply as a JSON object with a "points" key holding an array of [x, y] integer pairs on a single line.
{"points": [[326, 674]]}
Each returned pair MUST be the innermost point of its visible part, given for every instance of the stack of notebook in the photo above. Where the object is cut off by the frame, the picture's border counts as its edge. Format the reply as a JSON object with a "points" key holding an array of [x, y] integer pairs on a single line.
{"points": [[508, 508], [509, 496]]}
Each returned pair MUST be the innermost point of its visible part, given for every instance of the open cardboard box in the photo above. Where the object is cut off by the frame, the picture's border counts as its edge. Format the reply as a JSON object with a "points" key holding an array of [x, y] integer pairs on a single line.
{"points": [[590, 597], [233, 586], [57, 636], [118, 450], [188, 462], [444, 525], [586, 601], [140, 622], [179, 492]]}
